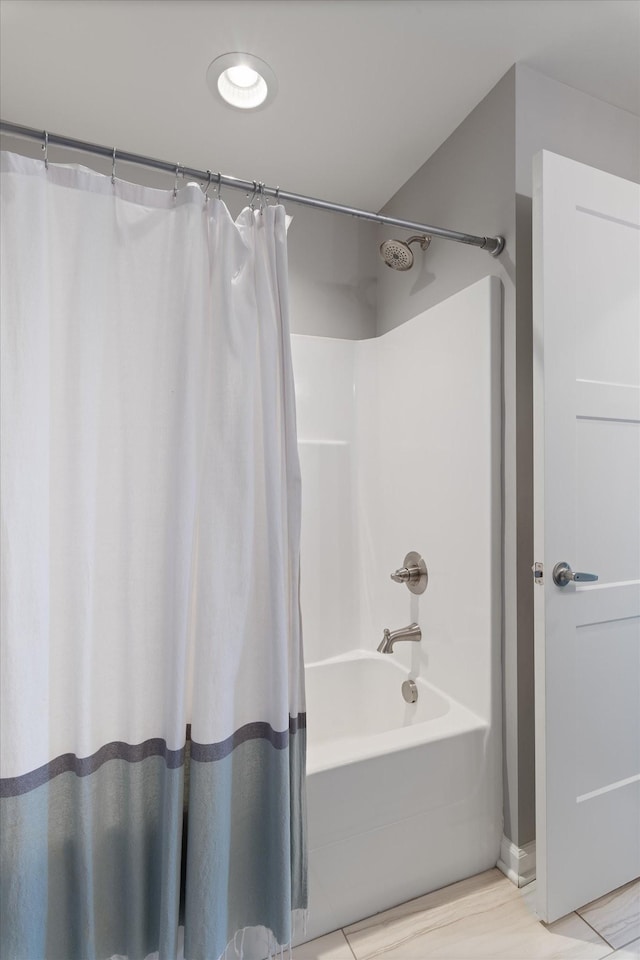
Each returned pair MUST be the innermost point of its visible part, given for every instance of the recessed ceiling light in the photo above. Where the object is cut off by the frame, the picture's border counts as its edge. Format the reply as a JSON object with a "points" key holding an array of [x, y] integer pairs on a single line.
{"points": [[242, 81]]}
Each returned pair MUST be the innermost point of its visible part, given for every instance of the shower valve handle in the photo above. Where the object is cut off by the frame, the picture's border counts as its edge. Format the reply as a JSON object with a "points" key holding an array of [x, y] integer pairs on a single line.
{"points": [[413, 573], [404, 574]]}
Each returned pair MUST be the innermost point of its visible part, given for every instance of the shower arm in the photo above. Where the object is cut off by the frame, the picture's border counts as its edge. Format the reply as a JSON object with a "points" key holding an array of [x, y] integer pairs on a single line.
{"points": [[492, 245], [421, 239]]}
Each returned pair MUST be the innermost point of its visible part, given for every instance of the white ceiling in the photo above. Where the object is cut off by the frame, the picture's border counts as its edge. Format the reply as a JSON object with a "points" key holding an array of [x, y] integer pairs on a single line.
{"points": [[368, 89]]}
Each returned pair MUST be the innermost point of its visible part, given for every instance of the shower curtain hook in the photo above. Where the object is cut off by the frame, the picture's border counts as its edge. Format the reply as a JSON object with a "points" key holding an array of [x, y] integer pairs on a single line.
{"points": [[277, 197], [262, 200], [113, 167], [219, 185], [253, 195], [175, 186], [45, 147], [206, 197]]}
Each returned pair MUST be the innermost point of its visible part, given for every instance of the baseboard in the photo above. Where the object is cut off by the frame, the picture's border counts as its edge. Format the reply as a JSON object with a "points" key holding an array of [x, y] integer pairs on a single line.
{"points": [[518, 863]]}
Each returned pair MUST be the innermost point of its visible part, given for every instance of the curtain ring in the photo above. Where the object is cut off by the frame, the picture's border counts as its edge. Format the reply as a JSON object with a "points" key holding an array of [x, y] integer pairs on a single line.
{"points": [[206, 197], [253, 195], [175, 186], [262, 199], [219, 185], [113, 167], [45, 147], [277, 195]]}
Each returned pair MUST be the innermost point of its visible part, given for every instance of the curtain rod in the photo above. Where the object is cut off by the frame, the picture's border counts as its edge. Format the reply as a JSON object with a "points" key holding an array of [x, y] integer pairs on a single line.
{"points": [[493, 245]]}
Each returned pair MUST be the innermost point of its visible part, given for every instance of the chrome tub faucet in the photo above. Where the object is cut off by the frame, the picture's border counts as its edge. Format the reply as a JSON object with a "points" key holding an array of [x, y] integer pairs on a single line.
{"points": [[391, 637]]}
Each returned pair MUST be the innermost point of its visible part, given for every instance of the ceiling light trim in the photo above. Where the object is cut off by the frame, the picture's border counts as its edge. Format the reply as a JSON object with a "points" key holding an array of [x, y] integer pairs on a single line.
{"points": [[248, 99]]}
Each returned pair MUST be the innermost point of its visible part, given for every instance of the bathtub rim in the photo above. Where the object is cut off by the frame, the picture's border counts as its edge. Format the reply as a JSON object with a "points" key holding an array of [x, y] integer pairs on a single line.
{"points": [[458, 720]]}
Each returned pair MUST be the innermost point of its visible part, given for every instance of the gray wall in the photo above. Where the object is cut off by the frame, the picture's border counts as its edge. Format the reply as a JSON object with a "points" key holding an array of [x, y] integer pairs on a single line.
{"points": [[466, 185], [479, 181], [332, 258], [552, 116], [332, 274], [469, 185]]}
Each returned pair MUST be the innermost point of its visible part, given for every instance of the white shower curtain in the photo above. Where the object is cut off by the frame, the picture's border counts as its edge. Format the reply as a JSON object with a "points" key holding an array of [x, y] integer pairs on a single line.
{"points": [[150, 558]]}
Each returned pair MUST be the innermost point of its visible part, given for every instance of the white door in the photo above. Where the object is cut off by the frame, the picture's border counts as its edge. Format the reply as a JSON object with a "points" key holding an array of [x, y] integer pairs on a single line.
{"points": [[586, 263]]}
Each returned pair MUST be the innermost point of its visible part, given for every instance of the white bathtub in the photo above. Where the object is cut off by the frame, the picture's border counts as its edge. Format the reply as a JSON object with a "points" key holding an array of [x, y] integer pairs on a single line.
{"points": [[401, 797]]}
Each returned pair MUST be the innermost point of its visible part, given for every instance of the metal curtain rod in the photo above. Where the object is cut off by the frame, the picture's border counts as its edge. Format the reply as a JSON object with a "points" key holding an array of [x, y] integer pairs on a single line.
{"points": [[493, 245]]}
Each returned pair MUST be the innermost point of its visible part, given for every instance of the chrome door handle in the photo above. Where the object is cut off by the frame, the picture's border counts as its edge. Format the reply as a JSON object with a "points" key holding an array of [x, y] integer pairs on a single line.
{"points": [[563, 574]]}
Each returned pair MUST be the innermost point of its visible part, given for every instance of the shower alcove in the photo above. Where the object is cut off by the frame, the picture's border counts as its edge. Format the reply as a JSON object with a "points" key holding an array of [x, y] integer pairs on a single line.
{"points": [[399, 440]]}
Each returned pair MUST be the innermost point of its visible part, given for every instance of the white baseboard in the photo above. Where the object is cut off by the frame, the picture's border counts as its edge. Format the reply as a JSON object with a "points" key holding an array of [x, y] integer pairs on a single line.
{"points": [[518, 863]]}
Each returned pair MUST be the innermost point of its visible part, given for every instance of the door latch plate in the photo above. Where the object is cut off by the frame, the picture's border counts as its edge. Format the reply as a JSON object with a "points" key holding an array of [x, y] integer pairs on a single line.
{"points": [[538, 574]]}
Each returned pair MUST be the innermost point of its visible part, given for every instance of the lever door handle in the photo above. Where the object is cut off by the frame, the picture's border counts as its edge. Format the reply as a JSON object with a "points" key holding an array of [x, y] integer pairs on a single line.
{"points": [[563, 574]]}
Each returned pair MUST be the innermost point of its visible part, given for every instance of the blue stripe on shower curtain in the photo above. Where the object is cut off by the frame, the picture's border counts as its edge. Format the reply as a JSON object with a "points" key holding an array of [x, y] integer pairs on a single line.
{"points": [[252, 793], [91, 848]]}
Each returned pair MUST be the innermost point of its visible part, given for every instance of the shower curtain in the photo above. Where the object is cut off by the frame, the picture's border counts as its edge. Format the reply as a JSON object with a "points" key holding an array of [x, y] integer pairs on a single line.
{"points": [[152, 725]]}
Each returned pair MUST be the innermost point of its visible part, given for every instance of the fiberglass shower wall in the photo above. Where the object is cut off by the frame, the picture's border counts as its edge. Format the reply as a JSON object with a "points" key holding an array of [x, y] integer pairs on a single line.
{"points": [[324, 372], [399, 440]]}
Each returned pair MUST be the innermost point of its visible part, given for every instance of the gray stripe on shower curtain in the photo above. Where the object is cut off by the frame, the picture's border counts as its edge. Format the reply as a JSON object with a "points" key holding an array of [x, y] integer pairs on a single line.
{"points": [[134, 752], [84, 766]]}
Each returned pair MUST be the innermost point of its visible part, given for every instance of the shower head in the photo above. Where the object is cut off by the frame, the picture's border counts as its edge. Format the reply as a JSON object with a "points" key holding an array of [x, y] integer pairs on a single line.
{"points": [[397, 253]]}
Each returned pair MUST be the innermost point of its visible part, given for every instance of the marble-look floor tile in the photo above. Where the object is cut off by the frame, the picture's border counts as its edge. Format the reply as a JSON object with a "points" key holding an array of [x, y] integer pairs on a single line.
{"points": [[331, 947], [630, 952], [437, 908], [616, 916], [483, 917]]}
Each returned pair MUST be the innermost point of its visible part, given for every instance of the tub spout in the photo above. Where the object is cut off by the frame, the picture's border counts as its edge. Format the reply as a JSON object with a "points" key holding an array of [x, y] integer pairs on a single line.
{"points": [[390, 637]]}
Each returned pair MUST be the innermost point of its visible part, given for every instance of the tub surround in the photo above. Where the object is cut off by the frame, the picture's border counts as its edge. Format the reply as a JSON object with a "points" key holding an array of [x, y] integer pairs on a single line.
{"points": [[400, 450]]}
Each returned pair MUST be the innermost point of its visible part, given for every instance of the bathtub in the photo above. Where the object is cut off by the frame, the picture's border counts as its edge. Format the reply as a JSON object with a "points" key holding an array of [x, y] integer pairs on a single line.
{"points": [[401, 797]]}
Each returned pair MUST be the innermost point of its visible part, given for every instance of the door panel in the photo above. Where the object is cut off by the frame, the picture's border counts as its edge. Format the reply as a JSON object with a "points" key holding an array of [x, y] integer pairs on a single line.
{"points": [[608, 453], [607, 658], [606, 261], [587, 513]]}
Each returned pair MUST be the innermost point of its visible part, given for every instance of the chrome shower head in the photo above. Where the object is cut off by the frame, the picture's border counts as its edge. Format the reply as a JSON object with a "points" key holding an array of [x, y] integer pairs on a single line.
{"points": [[398, 255]]}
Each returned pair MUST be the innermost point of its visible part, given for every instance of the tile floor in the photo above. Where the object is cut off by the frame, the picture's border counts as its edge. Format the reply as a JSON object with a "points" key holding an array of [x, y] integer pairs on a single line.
{"points": [[487, 917]]}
